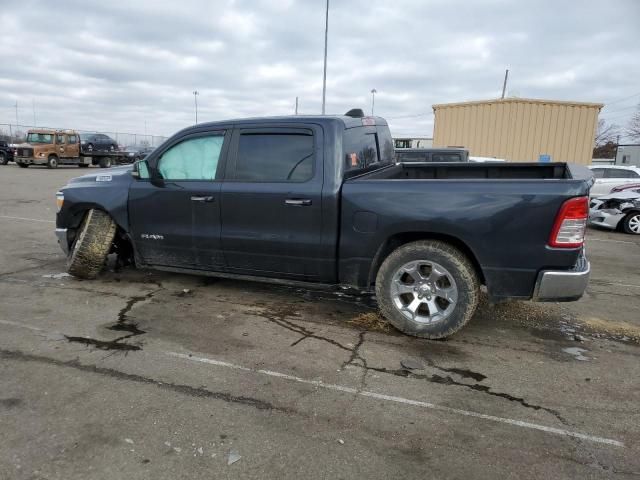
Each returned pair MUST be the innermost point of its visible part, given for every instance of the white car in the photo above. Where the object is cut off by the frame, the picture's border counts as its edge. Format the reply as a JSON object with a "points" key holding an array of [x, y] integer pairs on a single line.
{"points": [[609, 176], [620, 210]]}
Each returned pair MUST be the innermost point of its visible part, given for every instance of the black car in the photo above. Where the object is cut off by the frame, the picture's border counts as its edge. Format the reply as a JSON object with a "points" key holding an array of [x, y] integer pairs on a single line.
{"points": [[432, 155], [97, 142], [137, 152], [6, 153]]}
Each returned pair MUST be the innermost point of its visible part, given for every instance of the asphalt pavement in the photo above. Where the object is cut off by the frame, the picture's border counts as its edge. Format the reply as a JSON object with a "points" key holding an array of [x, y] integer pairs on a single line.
{"points": [[141, 374]]}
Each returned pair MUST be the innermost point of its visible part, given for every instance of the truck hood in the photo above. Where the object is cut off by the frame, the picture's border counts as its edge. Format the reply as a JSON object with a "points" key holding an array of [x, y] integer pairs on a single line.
{"points": [[104, 175]]}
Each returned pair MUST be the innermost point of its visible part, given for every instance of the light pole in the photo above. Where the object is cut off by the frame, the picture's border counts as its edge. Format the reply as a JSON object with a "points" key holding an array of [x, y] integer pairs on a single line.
{"points": [[373, 99], [195, 99], [324, 75]]}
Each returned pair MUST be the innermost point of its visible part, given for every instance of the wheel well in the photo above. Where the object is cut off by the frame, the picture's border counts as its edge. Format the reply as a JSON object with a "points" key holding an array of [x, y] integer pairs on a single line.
{"points": [[52, 155], [400, 239]]}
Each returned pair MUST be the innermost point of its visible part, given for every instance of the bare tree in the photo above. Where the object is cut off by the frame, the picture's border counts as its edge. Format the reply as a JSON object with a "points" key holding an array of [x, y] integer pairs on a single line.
{"points": [[606, 133], [633, 127]]}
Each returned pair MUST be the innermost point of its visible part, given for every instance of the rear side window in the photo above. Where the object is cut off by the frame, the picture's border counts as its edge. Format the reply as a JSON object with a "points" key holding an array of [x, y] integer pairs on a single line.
{"points": [[620, 173], [192, 159], [275, 157], [59, 139], [73, 139], [598, 172], [364, 147]]}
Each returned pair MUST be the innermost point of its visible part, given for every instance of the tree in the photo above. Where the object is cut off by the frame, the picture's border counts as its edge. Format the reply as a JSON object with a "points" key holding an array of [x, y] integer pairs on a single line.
{"points": [[633, 128], [606, 133], [606, 141]]}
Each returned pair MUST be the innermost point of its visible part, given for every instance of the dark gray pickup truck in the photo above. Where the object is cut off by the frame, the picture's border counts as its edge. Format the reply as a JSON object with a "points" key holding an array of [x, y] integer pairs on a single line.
{"points": [[319, 200]]}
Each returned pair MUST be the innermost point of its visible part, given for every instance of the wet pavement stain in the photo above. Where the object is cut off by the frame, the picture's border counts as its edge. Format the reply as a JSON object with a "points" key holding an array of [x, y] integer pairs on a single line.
{"points": [[104, 345]]}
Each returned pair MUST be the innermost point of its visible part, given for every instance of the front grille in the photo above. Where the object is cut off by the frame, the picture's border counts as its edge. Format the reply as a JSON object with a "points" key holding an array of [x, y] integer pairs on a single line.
{"points": [[25, 152]]}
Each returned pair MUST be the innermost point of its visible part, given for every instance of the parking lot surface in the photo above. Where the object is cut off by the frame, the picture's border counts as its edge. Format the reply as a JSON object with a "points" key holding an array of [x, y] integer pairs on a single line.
{"points": [[141, 374]]}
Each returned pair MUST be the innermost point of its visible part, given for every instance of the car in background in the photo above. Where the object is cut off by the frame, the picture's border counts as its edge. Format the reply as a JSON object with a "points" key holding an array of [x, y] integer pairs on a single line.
{"points": [[6, 153], [608, 176], [627, 186], [617, 211], [431, 155], [137, 152], [97, 142]]}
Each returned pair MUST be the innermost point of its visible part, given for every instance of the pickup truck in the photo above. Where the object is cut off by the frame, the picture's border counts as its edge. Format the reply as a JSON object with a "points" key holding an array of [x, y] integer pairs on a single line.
{"points": [[318, 200]]}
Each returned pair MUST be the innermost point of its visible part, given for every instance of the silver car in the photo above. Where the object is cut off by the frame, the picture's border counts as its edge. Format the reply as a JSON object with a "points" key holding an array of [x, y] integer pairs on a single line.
{"points": [[617, 211]]}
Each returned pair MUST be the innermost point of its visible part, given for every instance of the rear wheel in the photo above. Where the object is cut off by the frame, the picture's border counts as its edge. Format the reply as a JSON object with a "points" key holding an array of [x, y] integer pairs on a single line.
{"points": [[105, 162], [3, 158], [631, 223], [427, 289], [92, 245], [52, 161]]}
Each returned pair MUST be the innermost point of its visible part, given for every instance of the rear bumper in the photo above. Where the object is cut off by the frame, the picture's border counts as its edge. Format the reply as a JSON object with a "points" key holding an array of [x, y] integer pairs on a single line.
{"points": [[563, 285], [63, 240]]}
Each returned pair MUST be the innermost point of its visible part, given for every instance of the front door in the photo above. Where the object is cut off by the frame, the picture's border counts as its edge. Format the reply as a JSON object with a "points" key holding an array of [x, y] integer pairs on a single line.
{"points": [[73, 146], [271, 203], [176, 219]]}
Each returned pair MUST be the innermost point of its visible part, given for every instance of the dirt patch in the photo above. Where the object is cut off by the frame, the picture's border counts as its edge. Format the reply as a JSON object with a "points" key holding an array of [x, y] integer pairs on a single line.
{"points": [[372, 321], [611, 328]]}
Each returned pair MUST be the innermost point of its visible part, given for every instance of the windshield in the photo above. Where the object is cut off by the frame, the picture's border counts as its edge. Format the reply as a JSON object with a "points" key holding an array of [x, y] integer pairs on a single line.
{"points": [[39, 138]]}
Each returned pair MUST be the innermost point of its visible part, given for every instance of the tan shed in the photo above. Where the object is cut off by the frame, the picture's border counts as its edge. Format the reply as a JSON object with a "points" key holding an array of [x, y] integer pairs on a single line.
{"points": [[519, 129]]}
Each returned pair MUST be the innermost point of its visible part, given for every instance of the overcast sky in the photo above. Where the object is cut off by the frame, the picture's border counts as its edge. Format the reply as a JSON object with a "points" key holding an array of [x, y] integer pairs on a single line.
{"points": [[114, 65]]}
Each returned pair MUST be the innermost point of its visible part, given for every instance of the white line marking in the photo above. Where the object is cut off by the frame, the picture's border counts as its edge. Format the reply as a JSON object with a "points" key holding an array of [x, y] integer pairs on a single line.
{"points": [[612, 241], [27, 219], [406, 401], [21, 325]]}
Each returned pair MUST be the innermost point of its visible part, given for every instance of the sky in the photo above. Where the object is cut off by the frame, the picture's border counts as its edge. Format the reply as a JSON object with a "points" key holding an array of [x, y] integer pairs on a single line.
{"points": [[133, 66]]}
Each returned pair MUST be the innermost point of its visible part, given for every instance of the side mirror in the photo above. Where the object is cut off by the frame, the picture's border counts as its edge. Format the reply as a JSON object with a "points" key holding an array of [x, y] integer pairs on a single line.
{"points": [[140, 170]]}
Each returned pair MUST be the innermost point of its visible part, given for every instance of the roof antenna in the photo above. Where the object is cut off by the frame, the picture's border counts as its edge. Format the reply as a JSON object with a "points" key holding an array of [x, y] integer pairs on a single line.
{"points": [[355, 113]]}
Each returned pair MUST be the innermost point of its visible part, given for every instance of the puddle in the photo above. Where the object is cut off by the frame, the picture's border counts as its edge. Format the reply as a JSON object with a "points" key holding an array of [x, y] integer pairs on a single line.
{"points": [[104, 345]]}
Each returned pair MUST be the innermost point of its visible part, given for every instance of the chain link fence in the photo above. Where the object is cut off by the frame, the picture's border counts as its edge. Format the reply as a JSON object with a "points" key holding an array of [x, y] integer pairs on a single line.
{"points": [[12, 133]]}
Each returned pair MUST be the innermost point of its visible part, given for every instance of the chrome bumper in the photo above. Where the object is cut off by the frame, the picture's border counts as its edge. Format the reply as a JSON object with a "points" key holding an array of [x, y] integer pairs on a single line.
{"points": [[563, 285], [63, 241]]}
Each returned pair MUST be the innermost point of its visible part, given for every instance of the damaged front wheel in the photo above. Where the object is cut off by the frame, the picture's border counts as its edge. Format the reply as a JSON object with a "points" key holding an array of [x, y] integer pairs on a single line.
{"points": [[93, 243]]}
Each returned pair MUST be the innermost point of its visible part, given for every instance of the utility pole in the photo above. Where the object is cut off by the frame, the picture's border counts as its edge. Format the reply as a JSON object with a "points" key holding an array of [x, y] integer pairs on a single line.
{"points": [[17, 123], [296, 105], [195, 98], [34, 111], [373, 99], [504, 85], [324, 76]]}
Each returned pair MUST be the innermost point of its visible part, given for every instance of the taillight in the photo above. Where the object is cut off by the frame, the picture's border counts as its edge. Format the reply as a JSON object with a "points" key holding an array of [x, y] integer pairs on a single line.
{"points": [[571, 221]]}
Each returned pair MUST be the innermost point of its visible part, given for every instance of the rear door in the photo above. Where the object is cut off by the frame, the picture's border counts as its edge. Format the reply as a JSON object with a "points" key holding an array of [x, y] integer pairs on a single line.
{"points": [[176, 223], [61, 145], [271, 203]]}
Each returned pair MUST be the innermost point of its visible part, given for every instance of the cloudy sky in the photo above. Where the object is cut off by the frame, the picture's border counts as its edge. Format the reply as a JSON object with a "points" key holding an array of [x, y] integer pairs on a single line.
{"points": [[118, 65]]}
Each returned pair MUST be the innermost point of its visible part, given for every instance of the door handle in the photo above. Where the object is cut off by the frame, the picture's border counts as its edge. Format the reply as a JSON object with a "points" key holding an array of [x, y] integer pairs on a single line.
{"points": [[298, 202], [203, 198]]}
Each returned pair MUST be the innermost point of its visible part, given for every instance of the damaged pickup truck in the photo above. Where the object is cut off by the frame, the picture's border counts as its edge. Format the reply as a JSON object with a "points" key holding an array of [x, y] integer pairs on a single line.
{"points": [[318, 200], [617, 211]]}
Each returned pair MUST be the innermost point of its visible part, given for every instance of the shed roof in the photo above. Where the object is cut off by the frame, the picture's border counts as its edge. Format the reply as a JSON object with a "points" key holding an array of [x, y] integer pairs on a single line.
{"points": [[519, 100]]}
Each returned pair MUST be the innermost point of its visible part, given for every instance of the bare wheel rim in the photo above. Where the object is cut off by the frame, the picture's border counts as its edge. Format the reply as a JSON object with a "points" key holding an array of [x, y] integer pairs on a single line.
{"points": [[634, 224], [424, 291]]}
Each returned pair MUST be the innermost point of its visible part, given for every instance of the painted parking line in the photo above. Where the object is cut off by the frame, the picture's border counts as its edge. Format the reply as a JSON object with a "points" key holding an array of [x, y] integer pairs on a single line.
{"points": [[401, 400], [27, 219], [609, 241], [364, 393]]}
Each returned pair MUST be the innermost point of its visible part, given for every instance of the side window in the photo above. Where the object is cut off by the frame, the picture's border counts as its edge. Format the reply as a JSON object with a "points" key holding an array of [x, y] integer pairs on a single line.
{"points": [[192, 159], [363, 152], [598, 172], [619, 173], [275, 157], [59, 139]]}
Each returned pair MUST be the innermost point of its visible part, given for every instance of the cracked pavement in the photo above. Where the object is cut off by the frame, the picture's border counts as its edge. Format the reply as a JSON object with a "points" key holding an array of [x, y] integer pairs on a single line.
{"points": [[142, 374]]}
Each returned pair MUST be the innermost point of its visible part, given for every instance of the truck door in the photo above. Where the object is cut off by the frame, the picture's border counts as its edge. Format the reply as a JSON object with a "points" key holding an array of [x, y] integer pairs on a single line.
{"points": [[176, 222], [61, 145], [73, 146], [271, 203]]}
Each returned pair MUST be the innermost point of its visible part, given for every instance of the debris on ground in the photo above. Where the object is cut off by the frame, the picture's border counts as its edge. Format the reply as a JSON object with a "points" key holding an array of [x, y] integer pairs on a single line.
{"points": [[233, 457], [128, 440], [371, 321], [56, 275], [341, 441], [410, 364]]}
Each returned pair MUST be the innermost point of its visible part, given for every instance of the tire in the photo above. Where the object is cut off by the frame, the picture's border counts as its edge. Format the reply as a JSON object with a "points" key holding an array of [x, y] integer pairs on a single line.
{"points": [[52, 161], [92, 245], [3, 158], [442, 299], [105, 162], [22, 165], [631, 223]]}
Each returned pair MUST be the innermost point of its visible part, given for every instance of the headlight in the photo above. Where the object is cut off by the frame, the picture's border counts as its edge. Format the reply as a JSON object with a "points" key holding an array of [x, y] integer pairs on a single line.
{"points": [[59, 200]]}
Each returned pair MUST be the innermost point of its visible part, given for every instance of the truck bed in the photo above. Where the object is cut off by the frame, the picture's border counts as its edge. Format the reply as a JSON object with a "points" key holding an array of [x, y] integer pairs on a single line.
{"points": [[454, 171]]}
